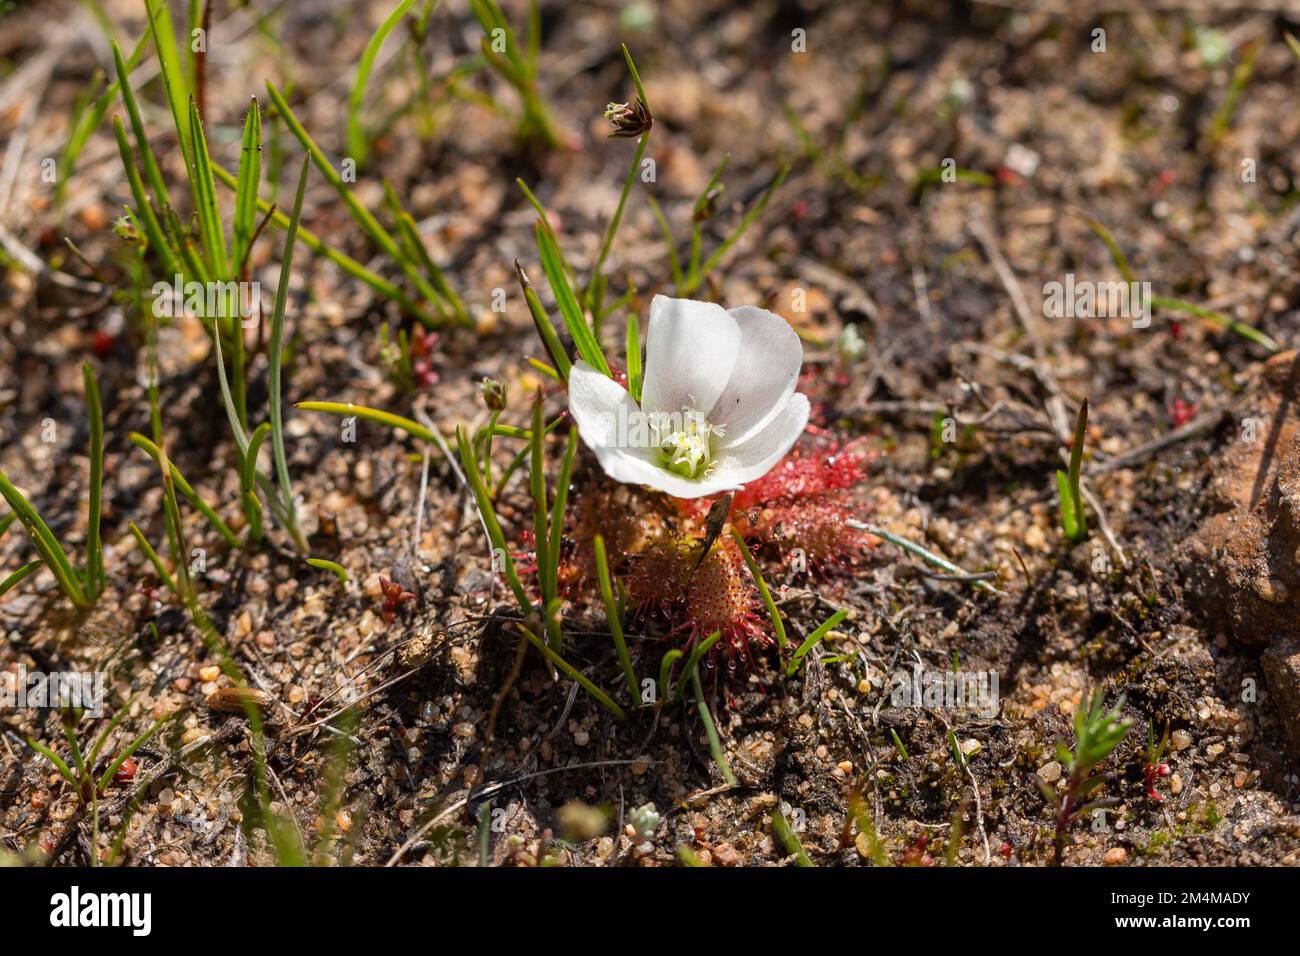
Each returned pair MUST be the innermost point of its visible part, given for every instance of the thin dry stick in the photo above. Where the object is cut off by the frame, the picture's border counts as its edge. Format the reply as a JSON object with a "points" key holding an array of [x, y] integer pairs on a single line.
{"points": [[1020, 305]]}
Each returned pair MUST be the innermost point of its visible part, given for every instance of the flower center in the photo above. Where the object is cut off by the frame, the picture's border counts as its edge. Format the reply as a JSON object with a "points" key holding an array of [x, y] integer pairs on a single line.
{"points": [[686, 442]]}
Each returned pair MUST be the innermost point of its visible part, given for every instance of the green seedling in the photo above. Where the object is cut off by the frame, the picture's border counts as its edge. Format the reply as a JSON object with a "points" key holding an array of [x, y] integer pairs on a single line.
{"points": [[81, 587], [782, 830], [1074, 519], [813, 639], [337, 569], [710, 728], [80, 775], [516, 64], [1097, 733]]}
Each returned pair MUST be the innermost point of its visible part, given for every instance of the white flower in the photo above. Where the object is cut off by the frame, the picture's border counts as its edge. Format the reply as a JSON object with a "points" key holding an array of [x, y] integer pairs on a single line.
{"points": [[718, 406]]}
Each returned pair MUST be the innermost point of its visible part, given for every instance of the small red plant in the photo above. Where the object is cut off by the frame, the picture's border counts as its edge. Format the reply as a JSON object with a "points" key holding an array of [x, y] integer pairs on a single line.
{"points": [[126, 772], [801, 508], [915, 854], [394, 597], [422, 347], [1155, 768], [1182, 412]]}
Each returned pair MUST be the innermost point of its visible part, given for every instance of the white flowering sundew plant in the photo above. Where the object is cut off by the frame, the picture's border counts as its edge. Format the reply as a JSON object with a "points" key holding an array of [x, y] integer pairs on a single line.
{"points": [[717, 408]]}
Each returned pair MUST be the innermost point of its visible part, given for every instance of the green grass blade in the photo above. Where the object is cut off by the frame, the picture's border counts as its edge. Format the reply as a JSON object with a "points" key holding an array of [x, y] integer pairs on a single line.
{"points": [[1076, 470], [59, 763], [102, 737], [545, 328], [634, 356], [488, 516], [360, 213], [674, 261], [782, 831], [697, 652], [615, 621], [711, 730], [341, 259], [135, 745], [740, 229], [813, 639], [94, 549], [1248, 332], [337, 569], [248, 482], [192, 496], [153, 230], [358, 145], [757, 574], [410, 235], [347, 409], [276, 359], [46, 544], [1116, 253], [152, 555], [205, 202], [246, 188], [922, 552], [248, 470], [147, 158], [584, 340], [175, 82], [573, 672], [666, 670], [12, 580]]}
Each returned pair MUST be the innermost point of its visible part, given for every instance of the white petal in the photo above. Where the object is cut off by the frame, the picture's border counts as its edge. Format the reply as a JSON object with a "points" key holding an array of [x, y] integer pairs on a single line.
{"points": [[625, 465], [691, 348], [605, 415], [598, 404], [758, 454], [767, 368]]}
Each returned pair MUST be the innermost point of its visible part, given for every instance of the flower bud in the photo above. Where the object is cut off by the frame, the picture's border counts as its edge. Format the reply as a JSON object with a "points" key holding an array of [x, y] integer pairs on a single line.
{"points": [[629, 119], [494, 395]]}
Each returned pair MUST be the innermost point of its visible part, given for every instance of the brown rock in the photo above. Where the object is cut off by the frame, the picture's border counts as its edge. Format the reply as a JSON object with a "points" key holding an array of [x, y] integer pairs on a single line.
{"points": [[1242, 568], [1281, 664]]}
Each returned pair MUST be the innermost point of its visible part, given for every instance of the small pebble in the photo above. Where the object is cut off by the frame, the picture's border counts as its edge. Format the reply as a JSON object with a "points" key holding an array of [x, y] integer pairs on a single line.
{"points": [[1115, 856], [726, 854], [1050, 772]]}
